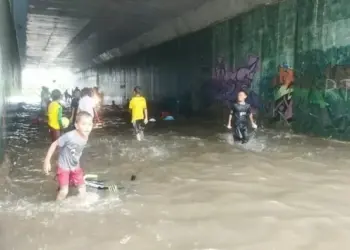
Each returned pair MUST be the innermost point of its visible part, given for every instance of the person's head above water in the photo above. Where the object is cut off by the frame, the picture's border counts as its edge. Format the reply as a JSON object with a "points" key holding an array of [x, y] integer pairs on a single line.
{"points": [[56, 95], [137, 91], [76, 93], [84, 123], [242, 95]]}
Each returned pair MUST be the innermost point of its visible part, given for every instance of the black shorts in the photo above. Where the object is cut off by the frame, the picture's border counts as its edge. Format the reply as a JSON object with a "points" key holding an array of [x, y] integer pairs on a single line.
{"points": [[240, 133], [138, 126]]}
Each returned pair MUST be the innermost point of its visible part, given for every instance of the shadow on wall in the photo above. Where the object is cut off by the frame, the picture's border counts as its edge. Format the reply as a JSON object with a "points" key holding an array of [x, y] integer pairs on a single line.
{"points": [[226, 83], [321, 95]]}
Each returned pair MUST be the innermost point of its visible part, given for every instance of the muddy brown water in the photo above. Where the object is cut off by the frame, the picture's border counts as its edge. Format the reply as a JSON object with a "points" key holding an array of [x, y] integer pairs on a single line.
{"points": [[194, 191]]}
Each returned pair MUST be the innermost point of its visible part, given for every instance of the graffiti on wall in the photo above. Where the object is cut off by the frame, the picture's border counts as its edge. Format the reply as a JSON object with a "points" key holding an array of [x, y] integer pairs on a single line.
{"points": [[227, 83], [325, 106], [336, 96], [283, 89], [338, 77]]}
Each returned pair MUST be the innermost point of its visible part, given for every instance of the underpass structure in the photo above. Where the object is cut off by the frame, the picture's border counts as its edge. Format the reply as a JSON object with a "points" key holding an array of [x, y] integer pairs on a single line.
{"points": [[291, 56]]}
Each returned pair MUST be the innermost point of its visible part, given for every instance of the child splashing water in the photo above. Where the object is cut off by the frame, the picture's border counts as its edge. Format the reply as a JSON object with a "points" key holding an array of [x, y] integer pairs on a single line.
{"points": [[241, 112], [71, 146]]}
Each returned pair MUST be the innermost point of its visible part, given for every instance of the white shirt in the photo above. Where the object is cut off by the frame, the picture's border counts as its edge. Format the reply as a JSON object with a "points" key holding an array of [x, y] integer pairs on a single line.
{"points": [[87, 104]]}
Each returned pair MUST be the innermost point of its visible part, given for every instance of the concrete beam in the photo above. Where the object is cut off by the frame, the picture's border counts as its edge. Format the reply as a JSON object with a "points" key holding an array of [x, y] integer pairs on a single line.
{"points": [[206, 15]]}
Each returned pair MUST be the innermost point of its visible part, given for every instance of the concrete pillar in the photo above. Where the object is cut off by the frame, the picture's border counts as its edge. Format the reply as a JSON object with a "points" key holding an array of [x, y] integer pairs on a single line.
{"points": [[10, 69]]}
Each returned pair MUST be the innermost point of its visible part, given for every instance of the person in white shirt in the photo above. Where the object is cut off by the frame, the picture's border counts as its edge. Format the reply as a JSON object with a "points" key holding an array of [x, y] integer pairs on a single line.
{"points": [[87, 103]]}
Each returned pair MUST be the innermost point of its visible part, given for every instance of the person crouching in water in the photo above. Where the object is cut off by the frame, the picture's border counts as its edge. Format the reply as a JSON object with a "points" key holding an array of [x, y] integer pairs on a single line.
{"points": [[71, 146], [139, 114], [241, 113], [54, 115]]}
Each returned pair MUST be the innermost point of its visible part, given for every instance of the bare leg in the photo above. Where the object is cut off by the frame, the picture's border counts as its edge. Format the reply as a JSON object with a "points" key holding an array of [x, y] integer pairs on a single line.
{"points": [[62, 193], [82, 191]]}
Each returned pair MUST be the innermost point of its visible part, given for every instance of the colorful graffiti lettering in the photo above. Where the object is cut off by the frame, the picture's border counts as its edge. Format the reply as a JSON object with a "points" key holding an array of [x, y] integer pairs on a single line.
{"points": [[228, 83], [338, 78], [336, 98], [329, 104], [283, 103]]}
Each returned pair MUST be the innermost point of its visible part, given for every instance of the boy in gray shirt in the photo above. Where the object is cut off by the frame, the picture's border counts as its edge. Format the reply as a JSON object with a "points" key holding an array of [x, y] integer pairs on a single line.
{"points": [[71, 146]]}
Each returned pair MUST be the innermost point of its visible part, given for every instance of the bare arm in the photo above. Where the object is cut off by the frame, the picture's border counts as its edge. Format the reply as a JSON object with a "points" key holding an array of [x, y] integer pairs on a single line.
{"points": [[254, 126], [73, 110], [96, 114], [229, 120], [130, 106], [251, 118], [51, 151], [146, 113]]}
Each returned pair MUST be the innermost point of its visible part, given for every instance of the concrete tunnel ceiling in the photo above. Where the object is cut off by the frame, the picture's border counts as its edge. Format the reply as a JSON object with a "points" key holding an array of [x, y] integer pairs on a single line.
{"points": [[82, 33]]}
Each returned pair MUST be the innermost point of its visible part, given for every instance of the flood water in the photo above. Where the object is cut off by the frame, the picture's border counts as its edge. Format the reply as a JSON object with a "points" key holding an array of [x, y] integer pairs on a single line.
{"points": [[193, 191]]}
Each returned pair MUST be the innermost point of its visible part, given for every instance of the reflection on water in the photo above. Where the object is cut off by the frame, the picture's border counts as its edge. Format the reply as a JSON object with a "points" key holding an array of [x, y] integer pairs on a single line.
{"points": [[193, 191]]}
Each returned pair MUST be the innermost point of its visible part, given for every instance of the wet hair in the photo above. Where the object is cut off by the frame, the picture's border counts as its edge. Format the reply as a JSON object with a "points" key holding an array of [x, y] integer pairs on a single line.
{"points": [[82, 114], [56, 95], [85, 92], [243, 91], [137, 90]]}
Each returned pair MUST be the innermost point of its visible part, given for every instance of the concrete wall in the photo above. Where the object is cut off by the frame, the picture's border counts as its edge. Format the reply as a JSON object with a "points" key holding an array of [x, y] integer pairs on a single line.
{"points": [[19, 12], [301, 50], [88, 78], [292, 57], [188, 22], [174, 71], [9, 65]]}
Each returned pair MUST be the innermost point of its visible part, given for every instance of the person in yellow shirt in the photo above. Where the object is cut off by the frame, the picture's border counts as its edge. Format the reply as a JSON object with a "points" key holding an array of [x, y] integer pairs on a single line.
{"points": [[139, 114], [54, 114]]}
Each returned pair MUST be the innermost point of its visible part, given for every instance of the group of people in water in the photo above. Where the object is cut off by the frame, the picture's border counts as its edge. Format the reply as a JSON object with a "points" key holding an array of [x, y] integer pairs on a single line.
{"points": [[84, 100], [71, 144]]}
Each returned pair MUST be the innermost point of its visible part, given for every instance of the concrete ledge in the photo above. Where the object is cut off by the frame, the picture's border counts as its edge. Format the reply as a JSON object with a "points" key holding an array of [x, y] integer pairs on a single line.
{"points": [[204, 16]]}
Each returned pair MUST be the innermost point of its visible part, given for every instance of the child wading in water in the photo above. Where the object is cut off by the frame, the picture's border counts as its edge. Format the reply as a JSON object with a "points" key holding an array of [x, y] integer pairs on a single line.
{"points": [[241, 114], [71, 146], [139, 113], [54, 115]]}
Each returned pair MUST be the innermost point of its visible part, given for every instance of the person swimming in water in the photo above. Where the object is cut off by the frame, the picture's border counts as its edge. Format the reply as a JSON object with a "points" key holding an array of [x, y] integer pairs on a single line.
{"points": [[241, 113]]}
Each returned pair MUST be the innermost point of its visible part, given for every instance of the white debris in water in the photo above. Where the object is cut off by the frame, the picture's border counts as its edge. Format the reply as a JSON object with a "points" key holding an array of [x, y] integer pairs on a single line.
{"points": [[125, 239]]}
